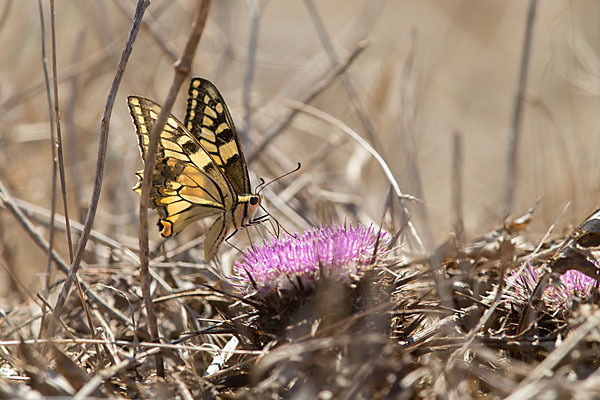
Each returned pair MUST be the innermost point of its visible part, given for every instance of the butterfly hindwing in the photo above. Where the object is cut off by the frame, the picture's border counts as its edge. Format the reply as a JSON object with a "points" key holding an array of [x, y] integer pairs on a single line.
{"points": [[215, 236], [187, 183], [209, 121]]}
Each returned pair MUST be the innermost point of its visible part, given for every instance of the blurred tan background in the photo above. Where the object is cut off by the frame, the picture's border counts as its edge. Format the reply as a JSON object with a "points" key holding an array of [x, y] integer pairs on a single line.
{"points": [[431, 69]]}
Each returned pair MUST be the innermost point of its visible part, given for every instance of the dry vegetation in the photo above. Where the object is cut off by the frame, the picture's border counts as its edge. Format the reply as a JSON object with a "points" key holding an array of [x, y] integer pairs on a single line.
{"points": [[431, 85]]}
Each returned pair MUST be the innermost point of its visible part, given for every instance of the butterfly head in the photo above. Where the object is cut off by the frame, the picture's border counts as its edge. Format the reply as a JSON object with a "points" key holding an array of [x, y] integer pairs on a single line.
{"points": [[246, 209], [254, 201]]}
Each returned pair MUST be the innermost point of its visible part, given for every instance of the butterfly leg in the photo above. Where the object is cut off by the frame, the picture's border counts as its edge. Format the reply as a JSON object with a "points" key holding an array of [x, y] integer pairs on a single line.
{"points": [[263, 218], [271, 218], [230, 236], [259, 221], [231, 244]]}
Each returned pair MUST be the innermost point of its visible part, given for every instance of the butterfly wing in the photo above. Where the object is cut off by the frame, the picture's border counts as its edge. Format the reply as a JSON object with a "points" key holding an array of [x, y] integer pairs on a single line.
{"points": [[187, 184], [210, 122], [215, 236]]}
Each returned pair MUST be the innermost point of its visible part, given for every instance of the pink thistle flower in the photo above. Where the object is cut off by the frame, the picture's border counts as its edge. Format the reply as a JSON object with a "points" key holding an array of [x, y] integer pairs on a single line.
{"points": [[573, 284], [336, 253], [524, 285]]}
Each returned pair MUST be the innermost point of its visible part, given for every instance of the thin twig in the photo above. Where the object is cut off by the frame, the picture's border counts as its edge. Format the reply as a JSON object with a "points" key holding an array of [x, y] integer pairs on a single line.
{"points": [[513, 138], [305, 108], [457, 184], [59, 146], [317, 89], [52, 151], [107, 373], [58, 163], [327, 44], [561, 351], [255, 14], [12, 207], [150, 24], [73, 148], [346, 129], [93, 63], [42, 215], [89, 221], [220, 357], [5, 13], [182, 69], [406, 132], [174, 345], [86, 311]]}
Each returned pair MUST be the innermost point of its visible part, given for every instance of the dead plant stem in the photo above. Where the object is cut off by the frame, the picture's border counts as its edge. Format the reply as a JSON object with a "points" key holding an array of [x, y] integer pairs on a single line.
{"points": [[52, 149], [182, 69], [59, 146], [513, 138]]}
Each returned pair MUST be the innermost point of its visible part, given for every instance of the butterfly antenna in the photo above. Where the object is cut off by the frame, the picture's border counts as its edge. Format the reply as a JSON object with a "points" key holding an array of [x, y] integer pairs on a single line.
{"points": [[263, 185], [262, 182]]}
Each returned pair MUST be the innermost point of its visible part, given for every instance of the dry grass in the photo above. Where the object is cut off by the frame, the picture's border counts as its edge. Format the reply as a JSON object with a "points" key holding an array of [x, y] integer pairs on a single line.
{"points": [[430, 85]]}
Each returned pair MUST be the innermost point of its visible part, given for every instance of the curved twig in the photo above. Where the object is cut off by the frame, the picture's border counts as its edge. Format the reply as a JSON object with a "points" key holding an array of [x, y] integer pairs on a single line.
{"points": [[347, 130]]}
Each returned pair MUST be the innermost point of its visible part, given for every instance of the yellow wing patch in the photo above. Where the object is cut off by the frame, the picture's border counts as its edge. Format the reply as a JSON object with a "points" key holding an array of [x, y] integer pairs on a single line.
{"points": [[209, 121]]}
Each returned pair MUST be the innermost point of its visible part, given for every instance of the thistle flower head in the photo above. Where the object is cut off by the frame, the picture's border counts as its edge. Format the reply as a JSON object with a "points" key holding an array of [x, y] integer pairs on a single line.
{"points": [[335, 252], [573, 284], [524, 283]]}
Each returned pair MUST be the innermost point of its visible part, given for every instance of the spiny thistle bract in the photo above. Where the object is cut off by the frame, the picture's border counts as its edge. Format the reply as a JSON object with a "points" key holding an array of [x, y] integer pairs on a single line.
{"points": [[323, 276]]}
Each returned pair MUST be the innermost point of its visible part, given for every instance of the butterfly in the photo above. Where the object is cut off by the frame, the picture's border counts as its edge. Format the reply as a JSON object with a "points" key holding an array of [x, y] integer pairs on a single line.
{"points": [[200, 169]]}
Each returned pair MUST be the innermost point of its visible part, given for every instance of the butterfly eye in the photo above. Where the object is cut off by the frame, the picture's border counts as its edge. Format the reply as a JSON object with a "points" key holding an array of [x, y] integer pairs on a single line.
{"points": [[254, 200]]}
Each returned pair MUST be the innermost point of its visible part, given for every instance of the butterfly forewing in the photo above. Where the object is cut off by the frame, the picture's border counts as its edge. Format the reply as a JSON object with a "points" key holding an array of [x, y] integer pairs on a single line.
{"points": [[187, 184], [209, 121]]}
